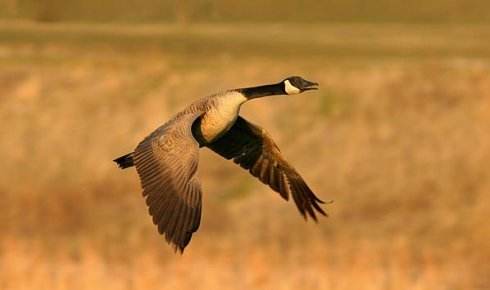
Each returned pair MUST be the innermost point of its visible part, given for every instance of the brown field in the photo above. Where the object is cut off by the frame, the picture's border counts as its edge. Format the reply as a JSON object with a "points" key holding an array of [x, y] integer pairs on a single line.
{"points": [[398, 136]]}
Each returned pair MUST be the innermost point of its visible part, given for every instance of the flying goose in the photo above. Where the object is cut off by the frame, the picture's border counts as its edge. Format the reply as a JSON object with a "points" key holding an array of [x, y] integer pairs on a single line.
{"points": [[166, 160]]}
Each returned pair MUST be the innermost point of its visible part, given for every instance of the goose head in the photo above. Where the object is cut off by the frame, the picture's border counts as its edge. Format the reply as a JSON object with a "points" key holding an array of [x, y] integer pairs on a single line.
{"points": [[295, 85]]}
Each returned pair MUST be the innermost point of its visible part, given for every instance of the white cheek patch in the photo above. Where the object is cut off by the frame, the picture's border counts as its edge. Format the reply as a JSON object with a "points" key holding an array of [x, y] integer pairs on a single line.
{"points": [[290, 89]]}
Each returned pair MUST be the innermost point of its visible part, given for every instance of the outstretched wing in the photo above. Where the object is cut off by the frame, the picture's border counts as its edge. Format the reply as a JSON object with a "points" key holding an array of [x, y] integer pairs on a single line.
{"points": [[252, 148], [166, 162]]}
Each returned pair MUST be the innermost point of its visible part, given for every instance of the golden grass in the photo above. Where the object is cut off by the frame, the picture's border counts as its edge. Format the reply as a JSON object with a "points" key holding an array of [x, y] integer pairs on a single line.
{"points": [[400, 144], [341, 264]]}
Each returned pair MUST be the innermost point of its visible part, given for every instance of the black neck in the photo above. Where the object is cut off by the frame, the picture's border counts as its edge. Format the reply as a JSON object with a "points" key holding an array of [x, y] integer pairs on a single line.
{"points": [[262, 91]]}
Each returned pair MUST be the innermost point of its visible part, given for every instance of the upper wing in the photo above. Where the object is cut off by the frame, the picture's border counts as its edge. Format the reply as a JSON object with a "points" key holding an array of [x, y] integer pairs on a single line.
{"points": [[252, 148], [166, 162]]}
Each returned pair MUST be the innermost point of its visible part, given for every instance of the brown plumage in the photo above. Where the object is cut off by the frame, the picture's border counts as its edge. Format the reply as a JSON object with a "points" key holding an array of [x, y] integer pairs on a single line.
{"points": [[253, 149], [166, 160]]}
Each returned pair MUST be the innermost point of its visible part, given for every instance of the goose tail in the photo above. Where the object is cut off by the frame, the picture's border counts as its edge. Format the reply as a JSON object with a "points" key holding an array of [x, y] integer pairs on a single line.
{"points": [[125, 161]]}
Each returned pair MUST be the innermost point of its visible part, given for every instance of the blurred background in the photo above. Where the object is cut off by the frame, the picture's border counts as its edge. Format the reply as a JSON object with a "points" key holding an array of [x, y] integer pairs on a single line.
{"points": [[398, 136]]}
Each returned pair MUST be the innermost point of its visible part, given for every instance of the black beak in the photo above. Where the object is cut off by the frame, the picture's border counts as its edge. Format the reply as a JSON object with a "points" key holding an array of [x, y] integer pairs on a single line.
{"points": [[307, 86]]}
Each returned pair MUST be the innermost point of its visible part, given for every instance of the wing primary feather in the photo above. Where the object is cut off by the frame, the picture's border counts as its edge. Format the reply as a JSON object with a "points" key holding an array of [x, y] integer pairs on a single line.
{"points": [[168, 213], [305, 203], [180, 226], [298, 201], [264, 171], [282, 185], [174, 221], [312, 198]]}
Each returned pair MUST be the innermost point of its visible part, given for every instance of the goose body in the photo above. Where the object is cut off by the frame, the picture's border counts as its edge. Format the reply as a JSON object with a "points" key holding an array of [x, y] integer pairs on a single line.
{"points": [[167, 159]]}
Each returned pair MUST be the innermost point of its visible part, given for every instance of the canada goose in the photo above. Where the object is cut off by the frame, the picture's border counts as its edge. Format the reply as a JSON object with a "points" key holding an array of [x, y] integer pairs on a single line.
{"points": [[166, 160]]}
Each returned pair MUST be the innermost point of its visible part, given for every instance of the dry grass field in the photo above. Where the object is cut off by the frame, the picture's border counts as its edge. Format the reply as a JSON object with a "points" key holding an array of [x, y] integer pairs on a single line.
{"points": [[398, 136]]}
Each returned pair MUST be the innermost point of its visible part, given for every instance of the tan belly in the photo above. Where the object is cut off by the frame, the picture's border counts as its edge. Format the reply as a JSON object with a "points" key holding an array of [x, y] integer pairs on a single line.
{"points": [[215, 125], [222, 116]]}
